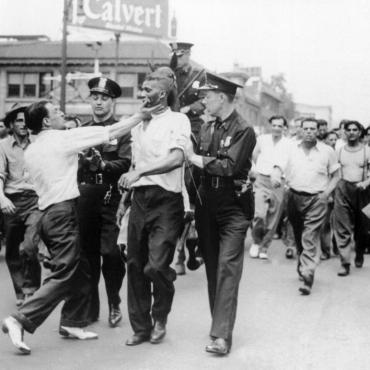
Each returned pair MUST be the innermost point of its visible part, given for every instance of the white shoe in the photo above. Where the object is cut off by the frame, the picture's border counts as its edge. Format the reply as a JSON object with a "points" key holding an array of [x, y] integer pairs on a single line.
{"points": [[263, 256], [254, 251], [14, 328], [76, 333]]}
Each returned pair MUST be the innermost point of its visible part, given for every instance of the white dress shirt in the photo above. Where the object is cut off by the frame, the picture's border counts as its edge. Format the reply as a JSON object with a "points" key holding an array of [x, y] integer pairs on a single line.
{"points": [[52, 161], [269, 151], [153, 141], [310, 172]]}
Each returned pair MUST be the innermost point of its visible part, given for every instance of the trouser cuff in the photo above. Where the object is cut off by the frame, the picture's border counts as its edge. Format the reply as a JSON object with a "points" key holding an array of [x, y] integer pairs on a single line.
{"points": [[27, 324]]}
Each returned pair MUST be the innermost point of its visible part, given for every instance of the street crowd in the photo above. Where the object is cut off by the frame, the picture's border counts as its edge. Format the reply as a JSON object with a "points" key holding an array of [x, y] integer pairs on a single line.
{"points": [[179, 181]]}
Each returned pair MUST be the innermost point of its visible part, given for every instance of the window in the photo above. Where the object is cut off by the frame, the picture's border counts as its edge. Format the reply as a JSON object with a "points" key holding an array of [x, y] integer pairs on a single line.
{"points": [[129, 84], [14, 85], [30, 81], [28, 85]]}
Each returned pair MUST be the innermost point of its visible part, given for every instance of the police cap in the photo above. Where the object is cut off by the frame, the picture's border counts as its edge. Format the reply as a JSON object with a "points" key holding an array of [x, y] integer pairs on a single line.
{"points": [[218, 83], [104, 85], [181, 48]]}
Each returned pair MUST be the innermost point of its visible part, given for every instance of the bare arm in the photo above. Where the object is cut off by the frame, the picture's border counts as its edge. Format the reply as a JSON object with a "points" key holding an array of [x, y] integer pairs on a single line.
{"points": [[125, 125], [174, 160]]}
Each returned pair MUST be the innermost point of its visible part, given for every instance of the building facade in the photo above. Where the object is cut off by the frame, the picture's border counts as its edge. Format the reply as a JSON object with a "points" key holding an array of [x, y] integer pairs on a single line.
{"points": [[30, 71]]}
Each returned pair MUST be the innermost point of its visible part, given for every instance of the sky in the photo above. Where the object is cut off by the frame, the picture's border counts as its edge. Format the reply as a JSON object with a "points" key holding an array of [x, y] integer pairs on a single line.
{"points": [[321, 46]]}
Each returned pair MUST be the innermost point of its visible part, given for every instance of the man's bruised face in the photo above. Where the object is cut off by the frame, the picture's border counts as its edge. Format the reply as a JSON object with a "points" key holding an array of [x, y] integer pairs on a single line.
{"points": [[153, 93]]}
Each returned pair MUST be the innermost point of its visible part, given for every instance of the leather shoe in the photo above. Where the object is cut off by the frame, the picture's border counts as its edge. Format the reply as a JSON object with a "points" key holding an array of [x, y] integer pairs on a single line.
{"points": [[137, 339], [359, 261], [344, 270], [158, 332], [14, 328], [115, 316], [219, 346], [289, 253], [305, 289], [76, 333], [324, 256], [194, 262]]}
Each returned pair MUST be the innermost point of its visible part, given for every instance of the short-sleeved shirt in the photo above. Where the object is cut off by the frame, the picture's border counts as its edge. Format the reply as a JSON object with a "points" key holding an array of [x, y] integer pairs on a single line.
{"points": [[268, 151], [12, 168], [310, 172], [354, 164], [52, 161], [153, 142]]}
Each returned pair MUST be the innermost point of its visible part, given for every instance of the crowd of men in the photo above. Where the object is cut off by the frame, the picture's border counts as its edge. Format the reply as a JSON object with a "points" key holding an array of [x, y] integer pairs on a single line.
{"points": [[313, 185], [108, 196]]}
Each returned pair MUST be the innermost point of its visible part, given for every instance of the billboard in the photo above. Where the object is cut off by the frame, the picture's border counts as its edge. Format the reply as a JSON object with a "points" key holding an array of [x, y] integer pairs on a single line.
{"points": [[141, 17]]}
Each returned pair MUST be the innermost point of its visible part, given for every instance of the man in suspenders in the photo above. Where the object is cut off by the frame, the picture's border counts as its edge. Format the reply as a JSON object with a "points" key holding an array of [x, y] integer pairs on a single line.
{"points": [[351, 196]]}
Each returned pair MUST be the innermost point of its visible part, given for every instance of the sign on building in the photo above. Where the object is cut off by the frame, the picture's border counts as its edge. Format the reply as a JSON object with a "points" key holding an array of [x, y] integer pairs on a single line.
{"points": [[143, 17]]}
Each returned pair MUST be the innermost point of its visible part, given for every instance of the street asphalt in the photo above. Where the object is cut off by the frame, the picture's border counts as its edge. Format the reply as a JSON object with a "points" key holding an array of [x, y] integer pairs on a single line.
{"points": [[276, 327]]}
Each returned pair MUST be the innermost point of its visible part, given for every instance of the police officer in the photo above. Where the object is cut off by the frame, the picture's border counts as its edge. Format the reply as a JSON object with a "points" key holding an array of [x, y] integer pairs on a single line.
{"points": [[224, 156], [100, 169], [188, 79]]}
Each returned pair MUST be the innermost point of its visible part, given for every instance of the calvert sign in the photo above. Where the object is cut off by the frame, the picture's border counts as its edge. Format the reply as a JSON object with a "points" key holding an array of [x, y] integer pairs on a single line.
{"points": [[144, 17]]}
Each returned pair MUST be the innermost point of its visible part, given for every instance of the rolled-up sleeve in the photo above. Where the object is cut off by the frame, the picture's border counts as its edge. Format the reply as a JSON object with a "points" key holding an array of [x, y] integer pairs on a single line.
{"points": [[180, 136]]}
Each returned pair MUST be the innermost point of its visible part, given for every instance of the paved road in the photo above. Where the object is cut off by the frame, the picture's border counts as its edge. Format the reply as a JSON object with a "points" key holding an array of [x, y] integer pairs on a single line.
{"points": [[276, 328]]}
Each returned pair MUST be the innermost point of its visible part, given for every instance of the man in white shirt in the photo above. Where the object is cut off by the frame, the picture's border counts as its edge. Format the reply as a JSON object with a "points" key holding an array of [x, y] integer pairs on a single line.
{"points": [[157, 210], [52, 162], [351, 195], [268, 199], [311, 170]]}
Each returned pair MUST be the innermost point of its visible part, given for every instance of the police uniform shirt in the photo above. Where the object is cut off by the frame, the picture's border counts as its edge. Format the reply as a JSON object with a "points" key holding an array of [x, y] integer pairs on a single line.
{"points": [[227, 146], [52, 161], [153, 141], [116, 154]]}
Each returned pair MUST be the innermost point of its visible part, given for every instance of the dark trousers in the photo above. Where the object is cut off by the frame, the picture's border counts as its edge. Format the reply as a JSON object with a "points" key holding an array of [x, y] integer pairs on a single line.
{"points": [[349, 222], [69, 278], [155, 224], [99, 234], [22, 240], [306, 214], [221, 227]]}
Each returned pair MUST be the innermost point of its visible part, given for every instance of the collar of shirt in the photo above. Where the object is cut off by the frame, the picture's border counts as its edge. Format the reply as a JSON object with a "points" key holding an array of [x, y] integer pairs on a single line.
{"points": [[14, 142], [160, 115], [319, 146], [226, 122]]}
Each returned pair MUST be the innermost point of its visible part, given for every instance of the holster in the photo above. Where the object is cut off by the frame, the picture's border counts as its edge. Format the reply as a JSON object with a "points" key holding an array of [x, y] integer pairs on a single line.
{"points": [[245, 198]]}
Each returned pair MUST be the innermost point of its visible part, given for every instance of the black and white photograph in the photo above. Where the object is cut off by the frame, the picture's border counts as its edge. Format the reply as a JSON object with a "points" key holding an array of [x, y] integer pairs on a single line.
{"points": [[184, 184]]}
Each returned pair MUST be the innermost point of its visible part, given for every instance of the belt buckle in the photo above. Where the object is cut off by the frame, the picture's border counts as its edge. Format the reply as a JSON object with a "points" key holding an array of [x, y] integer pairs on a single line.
{"points": [[99, 178], [215, 183]]}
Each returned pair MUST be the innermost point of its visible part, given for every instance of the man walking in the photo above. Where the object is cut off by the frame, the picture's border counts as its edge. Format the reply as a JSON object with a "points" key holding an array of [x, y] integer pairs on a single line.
{"points": [[157, 210], [351, 195], [100, 169], [268, 199], [224, 157], [18, 202], [311, 170], [52, 162]]}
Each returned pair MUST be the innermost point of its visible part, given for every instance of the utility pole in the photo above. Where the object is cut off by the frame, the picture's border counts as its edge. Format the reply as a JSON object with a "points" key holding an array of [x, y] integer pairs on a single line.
{"points": [[117, 35], [63, 71]]}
